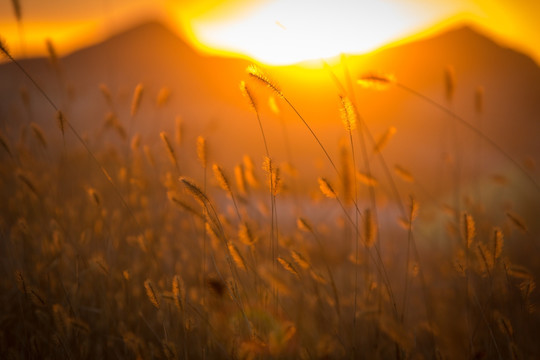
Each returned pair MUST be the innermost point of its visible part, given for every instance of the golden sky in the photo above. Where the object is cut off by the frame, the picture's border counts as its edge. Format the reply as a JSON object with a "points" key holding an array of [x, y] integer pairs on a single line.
{"points": [[271, 31]]}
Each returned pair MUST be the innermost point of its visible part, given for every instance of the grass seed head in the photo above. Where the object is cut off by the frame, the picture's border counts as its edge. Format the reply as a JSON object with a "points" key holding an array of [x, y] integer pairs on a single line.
{"points": [[106, 94], [194, 189], [288, 266], [38, 134], [237, 257], [369, 228], [272, 103], [201, 151], [179, 292], [304, 225], [151, 293], [384, 139], [94, 196], [366, 179], [61, 120], [5, 145], [27, 182], [163, 96], [4, 49], [53, 56], [498, 241], [246, 91], [222, 180], [249, 172], [376, 81], [326, 188], [256, 73], [449, 82], [404, 174], [240, 178], [517, 221], [245, 234], [136, 101], [21, 283], [169, 148], [17, 9], [272, 172], [348, 113], [300, 259], [468, 228]]}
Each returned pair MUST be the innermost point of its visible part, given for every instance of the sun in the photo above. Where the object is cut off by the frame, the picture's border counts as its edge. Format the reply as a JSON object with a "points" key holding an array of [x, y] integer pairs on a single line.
{"points": [[285, 32]]}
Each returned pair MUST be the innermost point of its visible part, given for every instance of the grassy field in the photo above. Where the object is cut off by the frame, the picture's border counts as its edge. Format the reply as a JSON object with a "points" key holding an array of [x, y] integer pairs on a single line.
{"points": [[128, 250]]}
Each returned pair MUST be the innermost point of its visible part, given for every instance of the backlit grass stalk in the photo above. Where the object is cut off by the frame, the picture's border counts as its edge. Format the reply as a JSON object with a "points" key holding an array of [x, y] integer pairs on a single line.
{"points": [[328, 190], [371, 215], [488, 326], [363, 132], [38, 134], [362, 129], [479, 112], [224, 183], [468, 235], [54, 60], [7, 148], [382, 82], [136, 100], [450, 86], [469, 126], [286, 139], [383, 162], [213, 217], [257, 74], [246, 91], [170, 150], [202, 157], [413, 212], [348, 116], [304, 225]]}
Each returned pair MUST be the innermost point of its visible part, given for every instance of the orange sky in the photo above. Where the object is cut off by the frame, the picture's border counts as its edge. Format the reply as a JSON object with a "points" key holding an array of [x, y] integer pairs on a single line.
{"points": [[271, 31]]}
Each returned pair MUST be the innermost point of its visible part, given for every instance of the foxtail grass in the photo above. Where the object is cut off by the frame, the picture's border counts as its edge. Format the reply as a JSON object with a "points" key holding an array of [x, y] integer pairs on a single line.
{"points": [[39, 135], [224, 183], [215, 225], [151, 293], [267, 164], [392, 81], [136, 100], [304, 225], [79, 138], [5, 145], [170, 150], [258, 75]]}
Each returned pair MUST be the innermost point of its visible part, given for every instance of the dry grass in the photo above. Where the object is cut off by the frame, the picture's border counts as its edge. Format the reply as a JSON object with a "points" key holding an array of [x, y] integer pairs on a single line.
{"points": [[81, 241]]}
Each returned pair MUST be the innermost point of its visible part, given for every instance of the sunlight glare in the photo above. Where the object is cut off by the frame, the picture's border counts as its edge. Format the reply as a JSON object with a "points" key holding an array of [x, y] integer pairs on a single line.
{"points": [[285, 32]]}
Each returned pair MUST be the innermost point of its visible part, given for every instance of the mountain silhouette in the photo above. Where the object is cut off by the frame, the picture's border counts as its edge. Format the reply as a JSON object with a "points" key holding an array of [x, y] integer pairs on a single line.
{"points": [[205, 94]]}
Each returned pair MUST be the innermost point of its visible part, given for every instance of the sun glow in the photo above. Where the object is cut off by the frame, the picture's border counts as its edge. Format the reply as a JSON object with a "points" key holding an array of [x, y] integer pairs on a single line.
{"points": [[273, 32], [66, 36], [285, 32]]}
